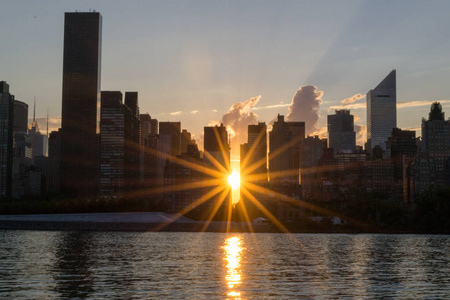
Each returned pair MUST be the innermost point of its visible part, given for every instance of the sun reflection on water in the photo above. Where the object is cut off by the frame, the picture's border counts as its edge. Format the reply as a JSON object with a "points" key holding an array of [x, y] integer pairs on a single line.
{"points": [[233, 250]]}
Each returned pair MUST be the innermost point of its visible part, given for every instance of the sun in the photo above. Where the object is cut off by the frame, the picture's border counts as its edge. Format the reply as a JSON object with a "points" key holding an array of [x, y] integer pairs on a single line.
{"points": [[234, 180]]}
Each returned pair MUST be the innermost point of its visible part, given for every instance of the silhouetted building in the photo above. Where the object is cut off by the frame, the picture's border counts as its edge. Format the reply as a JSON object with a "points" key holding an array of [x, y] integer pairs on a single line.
{"points": [[284, 156], [341, 133], [21, 164], [436, 141], [186, 140], [41, 145], [20, 116], [41, 165], [6, 139], [379, 175], [54, 162], [176, 174], [172, 130], [421, 175], [132, 140], [119, 150], [39, 141], [311, 150], [155, 127], [81, 104], [403, 148], [381, 112], [149, 147], [217, 148], [253, 154]]}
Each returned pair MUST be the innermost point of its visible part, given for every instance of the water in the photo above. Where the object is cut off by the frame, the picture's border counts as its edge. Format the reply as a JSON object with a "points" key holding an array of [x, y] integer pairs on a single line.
{"points": [[122, 265]]}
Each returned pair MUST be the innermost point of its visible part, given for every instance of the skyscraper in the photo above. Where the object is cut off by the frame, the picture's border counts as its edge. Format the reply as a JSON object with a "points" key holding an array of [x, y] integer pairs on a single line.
{"points": [[132, 140], [80, 104], [254, 153], [149, 145], [172, 135], [341, 133], [436, 141], [381, 112], [284, 156], [186, 140], [20, 116], [112, 145], [6, 139], [119, 147], [217, 147]]}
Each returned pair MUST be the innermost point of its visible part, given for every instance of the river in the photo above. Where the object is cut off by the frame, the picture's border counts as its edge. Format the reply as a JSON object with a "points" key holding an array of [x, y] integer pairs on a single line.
{"points": [[176, 265]]}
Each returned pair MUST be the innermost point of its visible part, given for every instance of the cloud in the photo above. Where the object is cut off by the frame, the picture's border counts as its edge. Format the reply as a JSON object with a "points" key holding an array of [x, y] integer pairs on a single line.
{"points": [[53, 124], [407, 104], [361, 134], [352, 99], [413, 128], [213, 123], [321, 132], [271, 106], [194, 111], [237, 119], [175, 113], [349, 106], [199, 140], [400, 105], [305, 107]]}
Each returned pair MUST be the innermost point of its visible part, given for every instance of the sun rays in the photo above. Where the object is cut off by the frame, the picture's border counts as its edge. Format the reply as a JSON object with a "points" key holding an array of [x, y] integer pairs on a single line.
{"points": [[210, 185]]}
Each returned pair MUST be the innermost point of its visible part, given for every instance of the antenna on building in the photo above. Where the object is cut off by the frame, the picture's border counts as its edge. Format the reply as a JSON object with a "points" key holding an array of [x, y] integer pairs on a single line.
{"points": [[34, 110], [47, 122]]}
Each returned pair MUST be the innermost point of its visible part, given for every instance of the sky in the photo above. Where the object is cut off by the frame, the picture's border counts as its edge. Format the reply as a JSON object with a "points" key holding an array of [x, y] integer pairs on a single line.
{"points": [[239, 62]]}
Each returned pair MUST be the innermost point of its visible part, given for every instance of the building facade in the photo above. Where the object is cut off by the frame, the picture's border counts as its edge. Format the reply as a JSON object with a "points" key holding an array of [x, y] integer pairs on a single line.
{"points": [[20, 116], [119, 146], [81, 104], [173, 132], [436, 141], [253, 155], [341, 132], [284, 155], [381, 112], [217, 148], [6, 139]]}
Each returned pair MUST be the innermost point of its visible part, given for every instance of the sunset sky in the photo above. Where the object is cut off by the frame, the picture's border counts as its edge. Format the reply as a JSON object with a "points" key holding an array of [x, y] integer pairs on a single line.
{"points": [[191, 61]]}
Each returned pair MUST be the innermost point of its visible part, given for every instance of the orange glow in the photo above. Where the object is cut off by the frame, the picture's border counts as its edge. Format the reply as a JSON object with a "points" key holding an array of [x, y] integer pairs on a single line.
{"points": [[234, 180], [233, 249]]}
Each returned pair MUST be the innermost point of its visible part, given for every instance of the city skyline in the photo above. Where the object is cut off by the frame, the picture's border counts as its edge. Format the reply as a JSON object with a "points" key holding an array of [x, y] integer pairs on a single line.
{"points": [[203, 79]]}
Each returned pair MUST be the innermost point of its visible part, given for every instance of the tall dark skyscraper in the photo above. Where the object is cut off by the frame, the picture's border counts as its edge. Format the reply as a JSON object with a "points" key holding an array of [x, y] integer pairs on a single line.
{"points": [[81, 104], [381, 112], [6, 139], [216, 147]]}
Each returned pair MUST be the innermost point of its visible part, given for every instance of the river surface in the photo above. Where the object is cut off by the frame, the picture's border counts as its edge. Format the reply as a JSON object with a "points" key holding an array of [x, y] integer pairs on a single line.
{"points": [[172, 265]]}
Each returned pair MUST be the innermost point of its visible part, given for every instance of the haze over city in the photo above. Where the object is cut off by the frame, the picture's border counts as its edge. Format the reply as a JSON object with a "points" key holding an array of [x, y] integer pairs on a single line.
{"points": [[202, 62], [225, 149]]}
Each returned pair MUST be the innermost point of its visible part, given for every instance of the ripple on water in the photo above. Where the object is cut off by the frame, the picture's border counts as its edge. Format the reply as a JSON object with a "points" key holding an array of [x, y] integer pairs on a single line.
{"points": [[104, 265]]}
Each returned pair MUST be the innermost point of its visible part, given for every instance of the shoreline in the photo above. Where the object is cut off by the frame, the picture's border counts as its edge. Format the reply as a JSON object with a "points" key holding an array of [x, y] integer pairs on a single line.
{"points": [[156, 221]]}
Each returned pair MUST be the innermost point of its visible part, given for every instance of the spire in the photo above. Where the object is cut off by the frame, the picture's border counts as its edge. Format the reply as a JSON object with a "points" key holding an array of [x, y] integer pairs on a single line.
{"points": [[389, 82], [47, 122], [436, 112], [34, 110]]}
